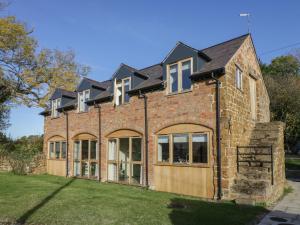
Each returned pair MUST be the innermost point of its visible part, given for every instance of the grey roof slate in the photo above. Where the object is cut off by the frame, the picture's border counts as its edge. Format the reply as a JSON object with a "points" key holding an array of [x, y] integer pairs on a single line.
{"points": [[221, 53]]}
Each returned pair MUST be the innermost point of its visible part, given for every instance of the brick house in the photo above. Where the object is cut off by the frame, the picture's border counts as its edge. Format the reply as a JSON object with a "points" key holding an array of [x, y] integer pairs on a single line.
{"points": [[174, 126]]}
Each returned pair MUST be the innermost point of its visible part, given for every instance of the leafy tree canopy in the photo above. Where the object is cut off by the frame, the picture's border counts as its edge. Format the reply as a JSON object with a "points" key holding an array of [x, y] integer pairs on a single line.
{"points": [[31, 75], [282, 78]]}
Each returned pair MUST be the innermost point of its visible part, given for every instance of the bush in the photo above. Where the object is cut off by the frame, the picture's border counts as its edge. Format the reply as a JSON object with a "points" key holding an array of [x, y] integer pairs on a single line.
{"points": [[21, 153]]}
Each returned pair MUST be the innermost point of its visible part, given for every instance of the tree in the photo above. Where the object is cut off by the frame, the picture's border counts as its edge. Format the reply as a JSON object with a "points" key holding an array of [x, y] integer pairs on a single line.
{"points": [[282, 78], [31, 76]]}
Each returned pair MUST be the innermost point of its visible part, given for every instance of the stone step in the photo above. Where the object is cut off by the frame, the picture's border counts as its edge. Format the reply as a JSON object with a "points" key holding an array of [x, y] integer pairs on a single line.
{"points": [[256, 175], [250, 187]]}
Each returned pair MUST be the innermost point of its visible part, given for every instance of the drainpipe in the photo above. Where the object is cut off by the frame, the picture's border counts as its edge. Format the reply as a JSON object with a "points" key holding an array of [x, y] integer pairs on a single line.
{"points": [[218, 134], [67, 143], [99, 139], [146, 135]]}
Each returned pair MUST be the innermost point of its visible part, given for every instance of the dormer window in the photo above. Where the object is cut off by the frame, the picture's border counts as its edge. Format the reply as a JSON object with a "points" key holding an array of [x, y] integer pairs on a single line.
{"points": [[54, 106], [178, 76], [121, 89], [82, 98]]}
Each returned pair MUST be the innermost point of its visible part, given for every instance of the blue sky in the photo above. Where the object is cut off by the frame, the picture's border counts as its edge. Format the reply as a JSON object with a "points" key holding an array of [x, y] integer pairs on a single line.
{"points": [[140, 33]]}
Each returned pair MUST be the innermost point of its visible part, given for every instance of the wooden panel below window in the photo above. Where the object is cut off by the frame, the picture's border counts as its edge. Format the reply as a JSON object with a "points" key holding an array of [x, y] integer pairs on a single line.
{"points": [[185, 180], [56, 167]]}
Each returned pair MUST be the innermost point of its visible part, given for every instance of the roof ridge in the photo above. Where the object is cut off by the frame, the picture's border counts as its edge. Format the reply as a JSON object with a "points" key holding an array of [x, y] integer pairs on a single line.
{"points": [[232, 39]]}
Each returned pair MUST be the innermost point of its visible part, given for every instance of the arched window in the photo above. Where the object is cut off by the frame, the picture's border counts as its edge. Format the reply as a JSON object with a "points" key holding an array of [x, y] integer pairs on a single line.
{"points": [[183, 144], [57, 148], [124, 161], [86, 156]]}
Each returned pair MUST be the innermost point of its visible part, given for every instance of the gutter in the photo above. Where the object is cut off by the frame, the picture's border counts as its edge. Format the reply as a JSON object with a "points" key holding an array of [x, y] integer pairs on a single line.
{"points": [[67, 142], [97, 106], [212, 75], [218, 134], [144, 96]]}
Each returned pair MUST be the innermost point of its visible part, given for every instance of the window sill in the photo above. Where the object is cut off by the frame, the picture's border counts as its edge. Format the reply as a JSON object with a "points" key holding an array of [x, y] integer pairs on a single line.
{"points": [[198, 165], [57, 159], [178, 93]]}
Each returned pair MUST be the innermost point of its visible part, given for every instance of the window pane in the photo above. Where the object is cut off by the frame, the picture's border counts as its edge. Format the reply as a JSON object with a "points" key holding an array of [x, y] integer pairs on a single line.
{"points": [[163, 149], [119, 94], [124, 150], [63, 150], [200, 148], [186, 72], [173, 78], [238, 78], [76, 150], [136, 177], [126, 88], [84, 169], [84, 149], [86, 98], [112, 172], [112, 150], [94, 169], [94, 150], [51, 151], [180, 148], [123, 172], [136, 149], [57, 150], [76, 168]]}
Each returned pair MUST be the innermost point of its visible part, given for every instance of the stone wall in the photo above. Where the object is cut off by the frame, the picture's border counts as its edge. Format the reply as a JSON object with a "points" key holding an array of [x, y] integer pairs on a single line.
{"points": [[37, 166], [236, 121], [254, 180]]}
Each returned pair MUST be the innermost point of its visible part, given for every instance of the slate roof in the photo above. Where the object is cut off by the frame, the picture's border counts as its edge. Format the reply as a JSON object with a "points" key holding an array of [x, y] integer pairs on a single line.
{"points": [[100, 84], [216, 56], [64, 92], [220, 54]]}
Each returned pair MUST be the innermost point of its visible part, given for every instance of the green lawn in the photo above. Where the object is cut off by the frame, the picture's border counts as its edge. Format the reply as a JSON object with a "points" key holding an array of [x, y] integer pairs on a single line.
{"points": [[292, 163], [48, 199]]}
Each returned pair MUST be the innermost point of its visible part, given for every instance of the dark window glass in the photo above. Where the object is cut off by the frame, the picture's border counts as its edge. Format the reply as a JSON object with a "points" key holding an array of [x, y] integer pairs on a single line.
{"points": [[126, 88], [84, 169], [57, 150], [63, 150], [136, 149], [136, 174], [163, 149], [94, 169], [93, 149], [200, 148], [174, 78], [186, 72], [85, 149], [180, 148]]}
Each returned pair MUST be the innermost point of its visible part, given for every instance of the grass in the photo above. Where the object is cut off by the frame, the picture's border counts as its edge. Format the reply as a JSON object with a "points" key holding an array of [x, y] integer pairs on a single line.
{"points": [[45, 199], [292, 163]]}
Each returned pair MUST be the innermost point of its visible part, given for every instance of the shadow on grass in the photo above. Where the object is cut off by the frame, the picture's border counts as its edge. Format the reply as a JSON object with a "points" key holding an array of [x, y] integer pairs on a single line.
{"points": [[22, 219], [186, 211]]}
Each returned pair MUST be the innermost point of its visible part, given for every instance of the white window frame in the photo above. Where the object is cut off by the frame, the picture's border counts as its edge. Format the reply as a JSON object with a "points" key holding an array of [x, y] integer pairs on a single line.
{"points": [[122, 85], [84, 107], [55, 104], [238, 78], [179, 73]]}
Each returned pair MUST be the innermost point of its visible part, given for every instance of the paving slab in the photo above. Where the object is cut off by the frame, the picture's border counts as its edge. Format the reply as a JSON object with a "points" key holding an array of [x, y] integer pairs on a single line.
{"points": [[287, 211]]}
